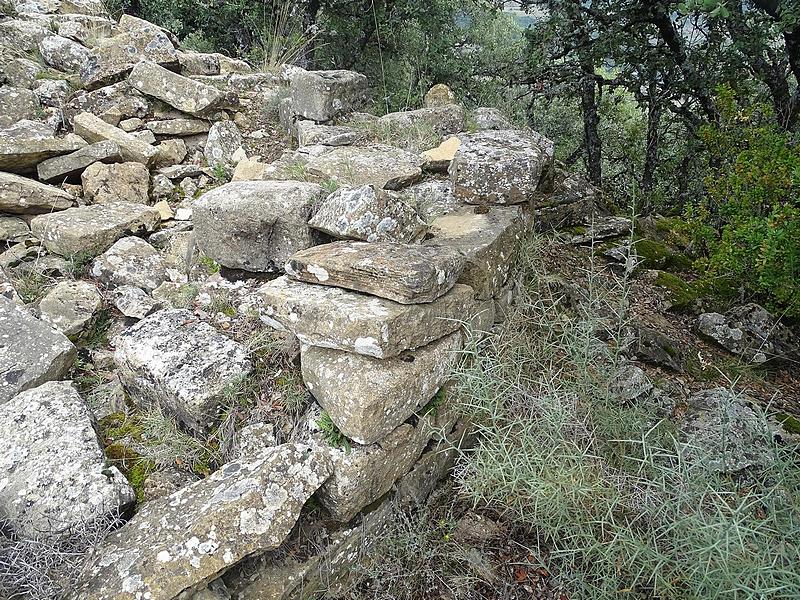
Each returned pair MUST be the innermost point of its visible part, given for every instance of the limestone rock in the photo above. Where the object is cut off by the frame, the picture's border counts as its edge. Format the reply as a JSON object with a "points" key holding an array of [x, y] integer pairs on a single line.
{"points": [[13, 230], [130, 261], [432, 199], [368, 214], [92, 229], [490, 119], [52, 92], [441, 120], [500, 167], [249, 170], [111, 103], [20, 195], [60, 168], [179, 543], [381, 166], [21, 36], [17, 104], [310, 133], [170, 152], [224, 139], [178, 127], [572, 202], [603, 228], [94, 129], [21, 72], [405, 273], [368, 397], [71, 306], [488, 241], [52, 467], [31, 352], [438, 159], [174, 360], [27, 143], [198, 63], [187, 95], [323, 95], [652, 346], [439, 95], [256, 225], [133, 302], [7, 289], [64, 54], [123, 182]]}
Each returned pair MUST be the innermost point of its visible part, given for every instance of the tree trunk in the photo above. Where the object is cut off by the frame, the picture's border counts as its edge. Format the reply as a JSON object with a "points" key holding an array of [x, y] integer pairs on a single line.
{"points": [[654, 111], [591, 121]]}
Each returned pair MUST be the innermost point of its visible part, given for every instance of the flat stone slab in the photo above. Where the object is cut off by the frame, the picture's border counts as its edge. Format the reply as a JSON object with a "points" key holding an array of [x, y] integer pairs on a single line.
{"points": [[130, 261], [93, 229], [405, 273], [500, 167], [176, 361], [60, 168], [20, 195], [31, 351], [94, 129], [256, 225], [178, 127], [181, 542], [368, 397], [381, 166], [487, 240], [187, 95], [27, 143], [331, 317], [53, 473], [370, 215]]}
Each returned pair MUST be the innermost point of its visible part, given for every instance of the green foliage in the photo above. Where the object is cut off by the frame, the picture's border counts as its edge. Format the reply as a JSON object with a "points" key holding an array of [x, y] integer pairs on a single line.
{"points": [[748, 225], [331, 432], [211, 266], [97, 335]]}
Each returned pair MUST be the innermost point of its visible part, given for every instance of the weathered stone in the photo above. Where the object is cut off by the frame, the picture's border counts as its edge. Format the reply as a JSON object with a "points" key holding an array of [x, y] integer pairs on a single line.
{"points": [[64, 54], [368, 397], [256, 225], [224, 139], [179, 543], [381, 166], [572, 202], [52, 92], [21, 72], [368, 214], [174, 360], [71, 306], [438, 159], [122, 182], [441, 120], [198, 63], [13, 230], [310, 133], [130, 261], [7, 289], [31, 352], [76, 31], [92, 229], [500, 167], [405, 273], [20, 36], [488, 241], [17, 104], [249, 170], [439, 95], [130, 125], [111, 103], [432, 199], [181, 171], [187, 95], [19, 254], [60, 168], [27, 143], [603, 228], [54, 474], [94, 129], [323, 95], [20, 195], [490, 119], [170, 152], [331, 317], [752, 332], [630, 383], [651, 346], [134, 302], [178, 127]]}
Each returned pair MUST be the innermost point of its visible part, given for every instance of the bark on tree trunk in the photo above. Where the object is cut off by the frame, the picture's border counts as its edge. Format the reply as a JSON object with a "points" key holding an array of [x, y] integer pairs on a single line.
{"points": [[654, 111], [591, 121]]}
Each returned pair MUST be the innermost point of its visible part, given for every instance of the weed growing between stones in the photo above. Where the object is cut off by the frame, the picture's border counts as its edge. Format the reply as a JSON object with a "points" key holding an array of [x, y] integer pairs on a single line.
{"points": [[79, 263], [211, 266], [32, 286], [415, 137], [97, 335], [331, 433]]}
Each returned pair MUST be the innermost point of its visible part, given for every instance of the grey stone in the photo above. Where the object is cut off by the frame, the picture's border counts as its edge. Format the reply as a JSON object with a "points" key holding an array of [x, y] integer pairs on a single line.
{"points": [[71, 307], [94, 129], [198, 63], [130, 261], [368, 214], [572, 202], [310, 133], [63, 167], [111, 103], [255, 438], [180, 543], [122, 182], [18, 36], [64, 54], [368, 397], [13, 230], [53, 470], [27, 143], [172, 359], [133, 302], [256, 225], [178, 127], [31, 351], [330, 317], [17, 104], [603, 228], [654, 347], [500, 167], [432, 199], [21, 72], [223, 140], [92, 229], [630, 383], [131, 125], [323, 95], [170, 152], [165, 482], [381, 166], [187, 95], [7, 289], [442, 120], [490, 118], [20, 195], [52, 92], [439, 95]]}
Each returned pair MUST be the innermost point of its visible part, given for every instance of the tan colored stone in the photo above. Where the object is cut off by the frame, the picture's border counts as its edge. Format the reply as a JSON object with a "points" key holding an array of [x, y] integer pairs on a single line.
{"points": [[94, 129], [438, 159]]}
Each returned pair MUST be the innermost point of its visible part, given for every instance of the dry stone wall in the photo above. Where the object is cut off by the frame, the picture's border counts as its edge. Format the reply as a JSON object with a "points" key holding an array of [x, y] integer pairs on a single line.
{"points": [[142, 180]]}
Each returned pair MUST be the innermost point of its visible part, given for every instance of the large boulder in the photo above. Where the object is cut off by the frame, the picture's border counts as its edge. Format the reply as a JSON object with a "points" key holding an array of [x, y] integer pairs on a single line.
{"points": [[187, 95], [490, 118], [71, 306], [64, 54], [368, 397], [60, 168], [368, 214], [381, 166], [500, 167], [441, 120], [27, 143], [53, 472], [18, 36], [323, 95], [94, 129], [31, 351], [405, 273], [92, 229], [331, 317], [124, 182], [20, 195], [173, 360], [130, 261], [256, 225], [439, 95], [175, 545], [17, 104]]}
